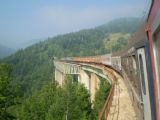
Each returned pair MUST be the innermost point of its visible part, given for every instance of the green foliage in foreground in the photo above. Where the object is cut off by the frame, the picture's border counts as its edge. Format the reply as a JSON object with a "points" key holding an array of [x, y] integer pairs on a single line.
{"points": [[8, 94], [72, 102], [101, 95]]}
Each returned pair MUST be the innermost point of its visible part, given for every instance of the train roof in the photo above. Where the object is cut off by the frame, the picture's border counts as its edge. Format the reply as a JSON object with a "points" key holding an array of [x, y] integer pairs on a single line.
{"points": [[135, 41]]}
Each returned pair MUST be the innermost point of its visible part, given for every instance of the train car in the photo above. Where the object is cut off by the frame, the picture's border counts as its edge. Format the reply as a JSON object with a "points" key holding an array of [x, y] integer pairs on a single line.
{"points": [[136, 68], [153, 33]]}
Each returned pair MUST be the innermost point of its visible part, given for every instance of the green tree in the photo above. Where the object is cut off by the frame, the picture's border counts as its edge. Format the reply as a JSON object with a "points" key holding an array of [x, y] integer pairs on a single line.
{"points": [[57, 109], [72, 102], [6, 94], [100, 97], [36, 106], [78, 105]]}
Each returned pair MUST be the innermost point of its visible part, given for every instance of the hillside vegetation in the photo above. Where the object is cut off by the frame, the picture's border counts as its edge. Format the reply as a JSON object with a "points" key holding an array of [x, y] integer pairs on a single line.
{"points": [[116, 41], [33, 66]]}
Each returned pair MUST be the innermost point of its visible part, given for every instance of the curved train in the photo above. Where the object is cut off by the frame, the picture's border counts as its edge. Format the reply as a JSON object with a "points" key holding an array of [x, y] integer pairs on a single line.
{"points": [[139, 64]]}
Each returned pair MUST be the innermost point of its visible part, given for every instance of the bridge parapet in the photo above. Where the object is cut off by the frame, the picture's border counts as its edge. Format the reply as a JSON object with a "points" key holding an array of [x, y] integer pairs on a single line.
{"points": [[67, 68]]}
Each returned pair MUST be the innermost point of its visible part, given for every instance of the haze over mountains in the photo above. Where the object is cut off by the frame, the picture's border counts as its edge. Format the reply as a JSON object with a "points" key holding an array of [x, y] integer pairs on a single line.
{"points": [[108, 27], [5, 51]]}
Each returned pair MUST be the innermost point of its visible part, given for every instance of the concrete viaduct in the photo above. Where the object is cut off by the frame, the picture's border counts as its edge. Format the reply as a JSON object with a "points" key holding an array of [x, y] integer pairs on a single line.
{"points": [[88, 75], [118, 105]]}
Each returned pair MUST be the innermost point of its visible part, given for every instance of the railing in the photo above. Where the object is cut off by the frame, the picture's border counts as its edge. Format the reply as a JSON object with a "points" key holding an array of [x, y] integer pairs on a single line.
{"points": [[106, 108]]}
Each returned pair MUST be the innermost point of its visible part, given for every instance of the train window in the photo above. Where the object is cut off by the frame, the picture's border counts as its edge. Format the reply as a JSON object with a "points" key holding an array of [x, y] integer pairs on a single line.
{"points": [[156, 52], [134, 62], [142, 74]]}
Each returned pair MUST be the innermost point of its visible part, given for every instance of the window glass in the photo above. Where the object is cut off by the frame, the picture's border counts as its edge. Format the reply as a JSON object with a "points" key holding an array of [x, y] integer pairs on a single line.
{"points": [[142, 74], [134, 62], [157, 47]]}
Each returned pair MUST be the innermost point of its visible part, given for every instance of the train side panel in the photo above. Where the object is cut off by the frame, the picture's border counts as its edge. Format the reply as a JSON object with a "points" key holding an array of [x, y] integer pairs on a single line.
{"points": [[153, 32]]}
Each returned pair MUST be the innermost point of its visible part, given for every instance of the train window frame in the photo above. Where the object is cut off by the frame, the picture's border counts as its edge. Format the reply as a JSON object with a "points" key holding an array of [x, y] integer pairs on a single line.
{"points": [[142, 74], [156, 55]]}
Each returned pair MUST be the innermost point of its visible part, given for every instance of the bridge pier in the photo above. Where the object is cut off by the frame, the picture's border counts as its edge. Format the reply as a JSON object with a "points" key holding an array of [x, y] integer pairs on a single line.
{"points": [[85, 79], [94, 85], [59, 77]]}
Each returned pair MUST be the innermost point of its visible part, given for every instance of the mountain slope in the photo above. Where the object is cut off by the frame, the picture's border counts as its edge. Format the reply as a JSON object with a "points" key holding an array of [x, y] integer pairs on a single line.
{"points": [[32, 67], [124, 25]]}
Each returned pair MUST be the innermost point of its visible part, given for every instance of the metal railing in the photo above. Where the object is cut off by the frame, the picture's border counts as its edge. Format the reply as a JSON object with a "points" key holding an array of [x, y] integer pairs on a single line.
{"points": [[106, 108]]}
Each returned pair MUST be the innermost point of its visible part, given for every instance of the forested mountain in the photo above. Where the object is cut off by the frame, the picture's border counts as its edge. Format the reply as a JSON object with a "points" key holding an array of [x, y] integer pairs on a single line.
{"points": [[124, 25], [5, 51], [32, 67], [30, 42]]}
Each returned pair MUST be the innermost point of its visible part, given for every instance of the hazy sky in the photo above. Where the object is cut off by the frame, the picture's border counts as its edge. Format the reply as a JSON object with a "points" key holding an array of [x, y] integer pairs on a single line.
{"points": [[24, 20]]}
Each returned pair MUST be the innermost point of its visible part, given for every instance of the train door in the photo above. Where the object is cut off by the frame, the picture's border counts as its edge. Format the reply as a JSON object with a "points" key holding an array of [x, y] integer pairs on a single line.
{"points": [[144, 83]]}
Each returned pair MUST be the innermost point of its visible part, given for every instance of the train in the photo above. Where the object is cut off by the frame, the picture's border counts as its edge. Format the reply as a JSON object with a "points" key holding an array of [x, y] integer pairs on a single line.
{"points": [[139, 64], [153, 35]]}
